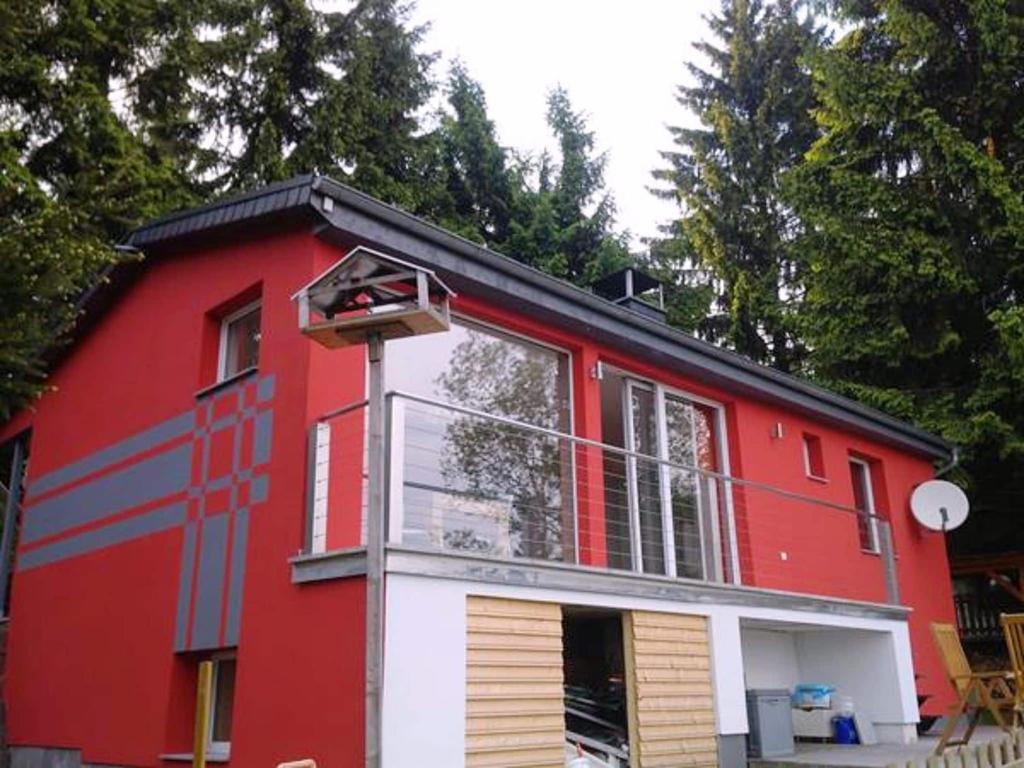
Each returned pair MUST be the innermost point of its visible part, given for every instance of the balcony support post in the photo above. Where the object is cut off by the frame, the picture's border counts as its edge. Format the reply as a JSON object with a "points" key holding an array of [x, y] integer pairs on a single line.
{"points": [[375, 514], [892, 584]]}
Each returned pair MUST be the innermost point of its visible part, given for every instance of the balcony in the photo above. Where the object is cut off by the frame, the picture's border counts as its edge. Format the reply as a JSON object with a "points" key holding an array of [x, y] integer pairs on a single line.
{"points": [[471, 485]]}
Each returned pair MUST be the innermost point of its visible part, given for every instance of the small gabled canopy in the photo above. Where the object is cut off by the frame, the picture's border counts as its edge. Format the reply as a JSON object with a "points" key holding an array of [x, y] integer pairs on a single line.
{"points": [[364, 264], [367, 292]]}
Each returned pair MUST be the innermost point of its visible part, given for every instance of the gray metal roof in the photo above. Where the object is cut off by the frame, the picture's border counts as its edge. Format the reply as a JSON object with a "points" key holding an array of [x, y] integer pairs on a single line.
{"points": [[339, 210]]}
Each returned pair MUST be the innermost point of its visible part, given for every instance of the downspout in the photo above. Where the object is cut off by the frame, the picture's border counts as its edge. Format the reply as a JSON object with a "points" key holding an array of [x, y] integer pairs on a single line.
{"points": [[954, 462]]}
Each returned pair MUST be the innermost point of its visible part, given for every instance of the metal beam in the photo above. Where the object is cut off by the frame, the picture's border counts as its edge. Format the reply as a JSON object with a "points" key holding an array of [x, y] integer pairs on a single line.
{"points": [[375, 513], [558, 576]]}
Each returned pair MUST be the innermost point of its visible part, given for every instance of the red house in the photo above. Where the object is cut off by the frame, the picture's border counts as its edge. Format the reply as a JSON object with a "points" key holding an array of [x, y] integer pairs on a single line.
{"points": [[596, 530]]}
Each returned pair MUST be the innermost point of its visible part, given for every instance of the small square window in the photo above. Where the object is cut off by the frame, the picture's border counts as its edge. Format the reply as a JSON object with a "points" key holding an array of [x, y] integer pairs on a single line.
{"points": [[222, 702], [239, 341], [814, 458]]}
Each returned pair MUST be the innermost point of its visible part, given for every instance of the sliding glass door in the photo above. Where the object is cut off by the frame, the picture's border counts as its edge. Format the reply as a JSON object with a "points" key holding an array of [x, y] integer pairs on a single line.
{"points": [[661, 512]]}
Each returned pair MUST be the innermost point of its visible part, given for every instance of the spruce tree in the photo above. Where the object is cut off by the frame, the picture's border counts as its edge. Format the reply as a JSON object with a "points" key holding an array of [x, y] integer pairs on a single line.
{"points": [[92, 142], [566, 224], [733, 242], [293, 89], [477, 182], [913, 203]]}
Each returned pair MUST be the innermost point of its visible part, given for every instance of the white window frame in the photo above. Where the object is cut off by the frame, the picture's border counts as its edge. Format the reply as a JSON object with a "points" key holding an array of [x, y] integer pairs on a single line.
{"points": [[225, 325], [218, 748], [722, 449], [806, 442], [869, 503]]}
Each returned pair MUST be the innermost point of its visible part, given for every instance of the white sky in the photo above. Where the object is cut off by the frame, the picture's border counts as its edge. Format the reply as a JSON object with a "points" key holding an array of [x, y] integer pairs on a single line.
{"points": [[620, 63]]}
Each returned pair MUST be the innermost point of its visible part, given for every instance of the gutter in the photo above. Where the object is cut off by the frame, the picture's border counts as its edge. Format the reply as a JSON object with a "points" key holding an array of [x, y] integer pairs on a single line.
{"points": [[599, 317]]}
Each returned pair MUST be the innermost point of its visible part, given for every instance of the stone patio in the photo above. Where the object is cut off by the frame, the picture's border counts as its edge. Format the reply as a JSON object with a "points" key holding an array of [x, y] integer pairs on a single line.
{"points": [[873, 756]]}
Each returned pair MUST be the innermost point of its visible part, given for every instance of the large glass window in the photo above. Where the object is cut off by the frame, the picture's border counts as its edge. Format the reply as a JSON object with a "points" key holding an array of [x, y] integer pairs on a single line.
{"points": [[475, 482]]}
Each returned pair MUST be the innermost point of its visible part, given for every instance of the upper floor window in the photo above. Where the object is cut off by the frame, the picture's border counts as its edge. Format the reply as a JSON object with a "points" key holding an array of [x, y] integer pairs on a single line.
{"points": [[864, 501], [814, 458], [239, 341]]}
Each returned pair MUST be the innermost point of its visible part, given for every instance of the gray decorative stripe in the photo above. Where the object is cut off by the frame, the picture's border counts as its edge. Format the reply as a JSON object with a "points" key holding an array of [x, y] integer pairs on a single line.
{"points": [[210, 583], [156, 521], [137, 443], [237, 576], [265, 389], [261, 435], [258, 489], [188, 559], [153, 478]]}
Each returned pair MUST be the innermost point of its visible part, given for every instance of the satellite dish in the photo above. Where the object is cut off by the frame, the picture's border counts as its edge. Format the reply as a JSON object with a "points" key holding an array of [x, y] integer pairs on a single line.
{"points": [[939, 505]]}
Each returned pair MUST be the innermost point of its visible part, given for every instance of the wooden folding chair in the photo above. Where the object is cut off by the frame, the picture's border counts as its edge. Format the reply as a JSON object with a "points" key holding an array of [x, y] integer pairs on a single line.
{"points": [[976, 691], [1013, 629]]}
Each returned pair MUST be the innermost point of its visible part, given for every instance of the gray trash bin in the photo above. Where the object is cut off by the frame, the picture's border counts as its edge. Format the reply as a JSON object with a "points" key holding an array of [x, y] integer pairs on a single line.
{"points": [[771, 722]]}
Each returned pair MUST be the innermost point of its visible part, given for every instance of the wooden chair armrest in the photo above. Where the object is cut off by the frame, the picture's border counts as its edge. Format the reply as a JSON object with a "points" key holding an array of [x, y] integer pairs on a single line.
{"points": [[984, 676]]}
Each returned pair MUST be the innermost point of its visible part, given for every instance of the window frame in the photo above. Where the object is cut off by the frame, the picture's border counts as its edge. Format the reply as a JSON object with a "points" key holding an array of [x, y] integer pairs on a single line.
{"points": [[661, 391], [225, 326], [500, 330], [213, 747], [806, 439], [495, 329], [870, 508]]}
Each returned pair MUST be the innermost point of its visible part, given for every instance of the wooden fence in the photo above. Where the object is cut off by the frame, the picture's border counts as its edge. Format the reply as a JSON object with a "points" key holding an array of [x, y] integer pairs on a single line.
{"points": [[1007, 752]]}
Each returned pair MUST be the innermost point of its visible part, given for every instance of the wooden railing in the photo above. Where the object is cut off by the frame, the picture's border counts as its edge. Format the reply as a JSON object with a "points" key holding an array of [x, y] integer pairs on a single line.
{"points": [[978, 618]]}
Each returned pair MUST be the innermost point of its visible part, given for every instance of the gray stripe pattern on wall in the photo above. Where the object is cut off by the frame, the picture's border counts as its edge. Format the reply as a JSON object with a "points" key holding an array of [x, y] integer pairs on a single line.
{"points": [[107, 502]]}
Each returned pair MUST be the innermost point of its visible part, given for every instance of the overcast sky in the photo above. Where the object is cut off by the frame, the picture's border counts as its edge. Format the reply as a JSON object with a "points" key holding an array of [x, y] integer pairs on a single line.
{"points": [[620, 63]]}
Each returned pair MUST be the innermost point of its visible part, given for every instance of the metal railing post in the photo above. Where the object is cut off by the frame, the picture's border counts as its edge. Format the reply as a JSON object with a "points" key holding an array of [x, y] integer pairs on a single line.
{"points": [[375, 514], [395, 451], [886, 550]]}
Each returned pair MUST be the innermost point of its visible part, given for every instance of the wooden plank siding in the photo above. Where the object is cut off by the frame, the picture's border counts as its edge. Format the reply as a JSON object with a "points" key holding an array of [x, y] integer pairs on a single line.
{"points": [[668, 679], [514, 691]]}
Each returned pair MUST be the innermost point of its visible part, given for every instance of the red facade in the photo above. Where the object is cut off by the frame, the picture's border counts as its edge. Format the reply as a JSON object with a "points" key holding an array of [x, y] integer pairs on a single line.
{"points": [[99, 659]]}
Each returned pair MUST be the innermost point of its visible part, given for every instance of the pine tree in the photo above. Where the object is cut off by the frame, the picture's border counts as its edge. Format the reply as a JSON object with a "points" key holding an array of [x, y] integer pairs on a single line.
{"points": [[913, 202], [733, 241]]}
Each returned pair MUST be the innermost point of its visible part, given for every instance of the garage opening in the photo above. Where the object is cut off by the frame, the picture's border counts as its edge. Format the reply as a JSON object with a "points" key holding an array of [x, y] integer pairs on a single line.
{"points": [[596, 717]]}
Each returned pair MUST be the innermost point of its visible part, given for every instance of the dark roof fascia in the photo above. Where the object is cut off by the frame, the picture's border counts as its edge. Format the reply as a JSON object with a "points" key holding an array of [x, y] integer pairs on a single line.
{"points": [[290, 197], [518, 286]]}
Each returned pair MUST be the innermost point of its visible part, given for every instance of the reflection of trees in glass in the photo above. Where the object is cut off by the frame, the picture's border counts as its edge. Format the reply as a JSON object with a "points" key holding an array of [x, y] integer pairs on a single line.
{"points": [[466, 540], [495, 460]]}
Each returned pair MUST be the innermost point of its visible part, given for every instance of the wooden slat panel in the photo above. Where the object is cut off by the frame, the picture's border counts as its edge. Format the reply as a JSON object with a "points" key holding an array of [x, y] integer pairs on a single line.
{"points": [[671, 706], [514, 684]]}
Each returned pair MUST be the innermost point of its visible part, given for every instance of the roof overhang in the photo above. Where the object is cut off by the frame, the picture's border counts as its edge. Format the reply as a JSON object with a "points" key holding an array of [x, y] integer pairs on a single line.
{"points": [[340, 213]]}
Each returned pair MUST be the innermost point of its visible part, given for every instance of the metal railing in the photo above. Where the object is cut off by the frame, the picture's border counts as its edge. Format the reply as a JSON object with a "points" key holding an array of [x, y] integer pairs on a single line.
{"points": [[467, 482]]}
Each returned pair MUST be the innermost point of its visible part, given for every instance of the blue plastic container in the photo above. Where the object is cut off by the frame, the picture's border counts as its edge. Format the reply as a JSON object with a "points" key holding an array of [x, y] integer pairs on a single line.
{"points": [[813, 695], [845, 730]]}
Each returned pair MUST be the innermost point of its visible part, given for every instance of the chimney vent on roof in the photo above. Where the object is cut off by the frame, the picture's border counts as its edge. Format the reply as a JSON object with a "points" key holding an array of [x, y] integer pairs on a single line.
{"points": [[634, 290]]}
